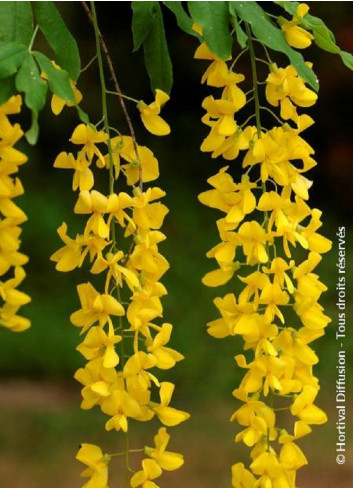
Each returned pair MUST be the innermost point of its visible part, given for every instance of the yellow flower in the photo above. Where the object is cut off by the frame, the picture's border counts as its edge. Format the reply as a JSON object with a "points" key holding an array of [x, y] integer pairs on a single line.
{"points": [[296, 36], [146, 257], [167, 415], [284, 86], [259, 420], [100, 344], [267, 464], [241, 477], [143, 164], [253, 239], [95, 307], [120, 405], [150, 117], [88, 137], [75, 250], [165, 357], [96, 204], [147, 215], [97, 381], [116, 271], [223, 112], [304, 407], [291, 457], [11, 106], [97, 465], [83, 176], [135, 371], [166, 460], [273, 296], [9, 292], [150, 471]]}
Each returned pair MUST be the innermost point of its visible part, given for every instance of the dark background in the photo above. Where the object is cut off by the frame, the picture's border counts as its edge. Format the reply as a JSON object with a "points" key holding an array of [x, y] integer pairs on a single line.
{"points": [[41, 423]]}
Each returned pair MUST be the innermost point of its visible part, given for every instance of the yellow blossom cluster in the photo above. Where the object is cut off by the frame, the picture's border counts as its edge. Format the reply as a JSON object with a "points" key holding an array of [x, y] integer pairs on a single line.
{"points": [[11, 217], [123, 343], [269, 242]]}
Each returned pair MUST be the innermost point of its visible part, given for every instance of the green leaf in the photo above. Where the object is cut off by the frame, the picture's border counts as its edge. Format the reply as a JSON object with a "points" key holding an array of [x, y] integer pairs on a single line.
{"points": [[157, 59], [241, 36], [59, 37], [28, 80], [82, 115], [33, 132], [58, 80], [323, 36], [183, 20], [273, 37], [142, 21], [290, 7], [12, 55], [7, 89], [16, 22], [214, 19], [347, 59], [323, 39]]}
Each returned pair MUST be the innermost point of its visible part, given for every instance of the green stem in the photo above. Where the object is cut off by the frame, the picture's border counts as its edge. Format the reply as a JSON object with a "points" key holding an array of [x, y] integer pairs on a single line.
{"points": [[33, 38], [119, 94], [88, 64], [254, 79], [104, 107], [122, 365], [111, 191], [256, 96], [272, 113]]}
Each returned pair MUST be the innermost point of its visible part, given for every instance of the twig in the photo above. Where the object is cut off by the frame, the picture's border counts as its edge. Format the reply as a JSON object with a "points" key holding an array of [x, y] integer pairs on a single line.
{"points": [[117, 87]]}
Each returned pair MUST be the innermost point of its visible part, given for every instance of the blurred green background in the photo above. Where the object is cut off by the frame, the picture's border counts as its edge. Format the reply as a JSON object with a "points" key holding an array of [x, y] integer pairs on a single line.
{"points": [[41, 423]]}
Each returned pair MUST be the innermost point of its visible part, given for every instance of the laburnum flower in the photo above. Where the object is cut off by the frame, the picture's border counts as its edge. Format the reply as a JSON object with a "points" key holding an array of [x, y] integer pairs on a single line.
{"points": [[241, 477], [304, 407], [121, 352], [11, 217], [220, 115], [95, 307], [120, 405], [97, 382], [97, 465], [168, 415], [83, 176], [75, 250], [145, 477], [165, 357], [263, 222], [285, 87], [88, 137], [259, 420], [165, 459], [143, 163], [296, 36], [148, 214], [150, 117], [9, 292], [115, 270], [98, 343], [136, 371], [96, 204], [253, 238]]}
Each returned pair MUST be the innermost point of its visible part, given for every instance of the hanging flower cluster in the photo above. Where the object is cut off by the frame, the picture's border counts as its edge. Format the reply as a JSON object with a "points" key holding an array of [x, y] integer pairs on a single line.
{"points": [[11, 217], [266, 218], [123, 342]]}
